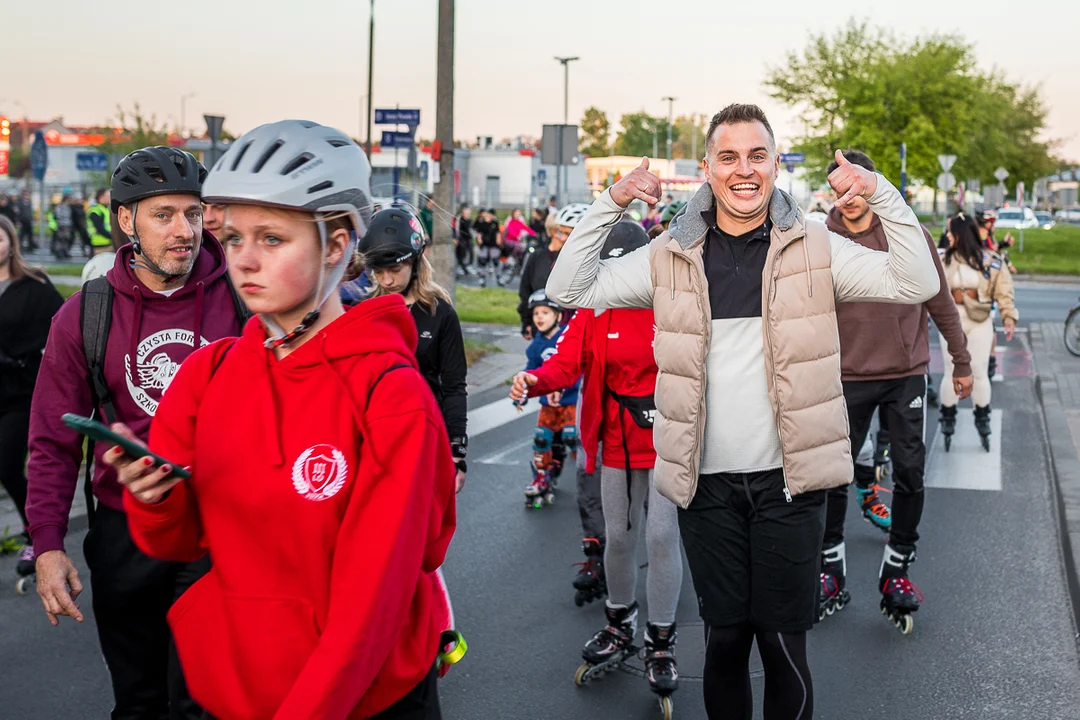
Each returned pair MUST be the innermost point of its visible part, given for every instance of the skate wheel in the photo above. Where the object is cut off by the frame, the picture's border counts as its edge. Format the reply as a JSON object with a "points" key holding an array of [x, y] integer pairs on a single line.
{"points": [[581, 677], [906, 623], [23, 585], [549, 498], [667, 707]]}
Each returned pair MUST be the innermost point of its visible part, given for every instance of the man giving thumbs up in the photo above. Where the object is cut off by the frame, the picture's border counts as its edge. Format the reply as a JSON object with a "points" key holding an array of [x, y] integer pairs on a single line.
{"points": [[751, 426]]}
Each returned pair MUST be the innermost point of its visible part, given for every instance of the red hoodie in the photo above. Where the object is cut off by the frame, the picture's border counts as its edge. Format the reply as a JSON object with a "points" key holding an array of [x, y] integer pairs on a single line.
{"points": [[150, 336], [323, 487], [615, 351]]}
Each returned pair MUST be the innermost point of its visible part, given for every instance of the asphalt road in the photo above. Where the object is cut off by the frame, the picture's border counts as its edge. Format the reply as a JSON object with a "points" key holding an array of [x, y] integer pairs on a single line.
{"points": [[995, 638]]}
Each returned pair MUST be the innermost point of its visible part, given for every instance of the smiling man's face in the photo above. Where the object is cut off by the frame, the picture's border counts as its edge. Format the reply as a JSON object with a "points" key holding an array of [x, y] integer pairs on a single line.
{"points": [[742, 167]]}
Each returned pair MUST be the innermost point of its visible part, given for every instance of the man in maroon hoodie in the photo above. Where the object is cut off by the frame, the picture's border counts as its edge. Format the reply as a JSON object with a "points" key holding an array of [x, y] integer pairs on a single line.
{"points": [[170, 295], [884, 354]]}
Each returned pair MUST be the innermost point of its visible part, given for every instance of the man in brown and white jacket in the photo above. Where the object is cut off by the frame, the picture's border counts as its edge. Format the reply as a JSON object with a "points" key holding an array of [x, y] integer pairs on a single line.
{"points": [[751, 426]]}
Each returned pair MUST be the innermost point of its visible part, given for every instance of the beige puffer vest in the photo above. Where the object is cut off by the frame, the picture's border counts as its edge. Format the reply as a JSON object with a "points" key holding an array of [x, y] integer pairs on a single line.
{"points": [[802, 356]]}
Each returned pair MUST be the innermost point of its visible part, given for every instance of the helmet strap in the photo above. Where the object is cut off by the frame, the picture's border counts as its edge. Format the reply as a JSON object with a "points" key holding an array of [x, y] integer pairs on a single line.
{"points": [[328, 283], [142, 261]]}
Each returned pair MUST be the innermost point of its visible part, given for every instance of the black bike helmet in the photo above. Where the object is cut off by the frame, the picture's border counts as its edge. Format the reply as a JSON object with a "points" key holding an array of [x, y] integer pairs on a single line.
{"points": [[153, 171], [540, 299], [394, 237], [626, 237]]}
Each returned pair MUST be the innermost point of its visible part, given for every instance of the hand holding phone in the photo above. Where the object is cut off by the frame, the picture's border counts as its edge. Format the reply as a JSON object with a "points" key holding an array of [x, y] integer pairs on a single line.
{"points": [[147, 476]]}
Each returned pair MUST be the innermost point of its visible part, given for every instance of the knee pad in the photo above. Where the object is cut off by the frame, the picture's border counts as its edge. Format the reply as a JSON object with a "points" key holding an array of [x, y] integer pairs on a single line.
{"points": [[543, 439], [570, 437]]}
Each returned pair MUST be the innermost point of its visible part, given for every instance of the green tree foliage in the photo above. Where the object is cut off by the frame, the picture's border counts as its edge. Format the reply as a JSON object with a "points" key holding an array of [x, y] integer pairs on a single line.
{"points": [[638, 133], [865, 88], [682, 142], [136, 131], [595, 133]]}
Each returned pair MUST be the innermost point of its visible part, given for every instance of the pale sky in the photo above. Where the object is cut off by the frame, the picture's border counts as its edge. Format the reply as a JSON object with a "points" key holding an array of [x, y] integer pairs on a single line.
{"points": [[259, 61]]}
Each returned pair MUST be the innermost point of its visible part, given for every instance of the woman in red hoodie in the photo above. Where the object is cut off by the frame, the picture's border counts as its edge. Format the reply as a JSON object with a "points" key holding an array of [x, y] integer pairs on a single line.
{"points": [[322, 482], [614, 349]]}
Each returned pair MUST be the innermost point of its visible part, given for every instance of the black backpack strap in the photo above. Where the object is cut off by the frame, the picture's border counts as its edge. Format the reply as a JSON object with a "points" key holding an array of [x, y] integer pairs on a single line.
{"points": [[384, 373], [242, 312], [95, 319]]}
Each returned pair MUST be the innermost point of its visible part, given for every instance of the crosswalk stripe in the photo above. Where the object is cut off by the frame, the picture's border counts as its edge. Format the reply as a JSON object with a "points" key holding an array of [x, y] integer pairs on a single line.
{"points": [[966, 466], [496, 414]]}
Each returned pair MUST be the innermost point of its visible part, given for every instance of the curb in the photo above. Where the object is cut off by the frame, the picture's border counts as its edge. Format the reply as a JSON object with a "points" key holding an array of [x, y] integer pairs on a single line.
{"points": [[1048, 279], [1064, 470]]}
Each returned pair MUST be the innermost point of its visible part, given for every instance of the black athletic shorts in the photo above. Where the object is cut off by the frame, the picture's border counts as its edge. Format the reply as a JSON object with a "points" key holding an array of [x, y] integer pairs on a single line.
{"points": [[753, 555]]}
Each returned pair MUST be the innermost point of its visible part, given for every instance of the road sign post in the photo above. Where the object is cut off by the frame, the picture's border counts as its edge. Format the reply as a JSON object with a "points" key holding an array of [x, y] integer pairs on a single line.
{"points": [[1001, 173], [790, 160], [213, 130], [946, 162], [39, 163], [1020, 204]]}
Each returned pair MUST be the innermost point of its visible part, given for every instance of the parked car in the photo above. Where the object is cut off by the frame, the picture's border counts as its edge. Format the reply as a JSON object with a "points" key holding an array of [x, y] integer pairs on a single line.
{"points": [[1046, 220], [1016, 218], [1072, 215]]}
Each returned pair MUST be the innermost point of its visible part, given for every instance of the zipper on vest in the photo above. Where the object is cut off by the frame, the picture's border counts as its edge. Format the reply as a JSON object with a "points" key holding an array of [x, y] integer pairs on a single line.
{"points": [[776, 392]]}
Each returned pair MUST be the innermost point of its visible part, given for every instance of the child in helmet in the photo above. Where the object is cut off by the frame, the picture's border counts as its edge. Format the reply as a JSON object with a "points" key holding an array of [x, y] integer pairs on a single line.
{"points": [[556, 427], [315, 419]]}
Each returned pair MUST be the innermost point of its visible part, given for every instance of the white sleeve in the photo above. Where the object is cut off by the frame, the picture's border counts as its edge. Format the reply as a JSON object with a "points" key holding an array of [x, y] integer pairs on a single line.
{"points": [[906, 274], [581, 279]]}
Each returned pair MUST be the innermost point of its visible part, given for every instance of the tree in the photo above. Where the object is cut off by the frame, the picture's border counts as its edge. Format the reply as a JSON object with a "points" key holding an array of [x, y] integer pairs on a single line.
{"points": [[690, 131], [865, 88], [643, 134], [133, 130], [595, 133]]}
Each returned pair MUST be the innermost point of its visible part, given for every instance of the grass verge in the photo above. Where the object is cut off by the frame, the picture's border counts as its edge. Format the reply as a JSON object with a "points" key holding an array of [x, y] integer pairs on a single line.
{"points": [[1046, 252], [492, 306], [476, 349]]}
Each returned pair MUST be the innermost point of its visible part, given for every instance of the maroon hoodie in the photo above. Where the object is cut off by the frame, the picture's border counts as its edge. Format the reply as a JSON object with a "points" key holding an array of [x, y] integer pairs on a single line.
{"points": [[150, 335], [883, 341]]}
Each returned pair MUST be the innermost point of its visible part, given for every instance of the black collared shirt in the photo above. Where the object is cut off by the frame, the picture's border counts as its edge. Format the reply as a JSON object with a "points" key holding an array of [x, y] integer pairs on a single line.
{"points": [[734, 266]]}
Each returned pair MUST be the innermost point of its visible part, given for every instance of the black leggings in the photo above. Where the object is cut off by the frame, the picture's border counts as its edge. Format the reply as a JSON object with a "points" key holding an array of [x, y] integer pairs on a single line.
{"points": [[14, 432], [789, 692]]}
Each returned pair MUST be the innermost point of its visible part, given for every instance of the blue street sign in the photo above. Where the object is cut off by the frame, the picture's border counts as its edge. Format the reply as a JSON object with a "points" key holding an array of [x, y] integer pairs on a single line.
{"points": [[39, 156], [791, 167], [424, 170], [396, 139], [541, 177], [792, 158], [92, 161], [397, 117]]}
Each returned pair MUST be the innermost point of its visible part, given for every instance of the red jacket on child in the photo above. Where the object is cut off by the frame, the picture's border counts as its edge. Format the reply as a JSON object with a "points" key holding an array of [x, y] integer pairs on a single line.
{"points": [[614, 349], [323, 487]]}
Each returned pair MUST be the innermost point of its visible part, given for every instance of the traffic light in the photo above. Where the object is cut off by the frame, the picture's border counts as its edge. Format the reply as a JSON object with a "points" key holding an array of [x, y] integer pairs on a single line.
{"points": [[5, 128]]}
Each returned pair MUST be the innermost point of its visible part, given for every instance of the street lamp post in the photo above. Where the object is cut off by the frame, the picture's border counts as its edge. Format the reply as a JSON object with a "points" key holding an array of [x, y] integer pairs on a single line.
{"points": [[670, 108], [566, 121], [183, 111], [370, 75]]}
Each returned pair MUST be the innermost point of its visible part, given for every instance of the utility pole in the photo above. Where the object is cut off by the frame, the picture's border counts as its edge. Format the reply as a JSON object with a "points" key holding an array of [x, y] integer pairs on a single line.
{"points": [[183, 111], [566, 121], [370, 74], [442, 242], [670, 107]]}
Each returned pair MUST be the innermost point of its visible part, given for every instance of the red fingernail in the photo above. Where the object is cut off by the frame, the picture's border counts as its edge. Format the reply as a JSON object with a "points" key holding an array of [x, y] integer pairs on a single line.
{"points": [[147, 461], [167, 468]]}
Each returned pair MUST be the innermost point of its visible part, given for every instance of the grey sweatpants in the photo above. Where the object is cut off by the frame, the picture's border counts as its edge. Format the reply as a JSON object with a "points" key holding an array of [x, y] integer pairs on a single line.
{"points": [[661, 537]]}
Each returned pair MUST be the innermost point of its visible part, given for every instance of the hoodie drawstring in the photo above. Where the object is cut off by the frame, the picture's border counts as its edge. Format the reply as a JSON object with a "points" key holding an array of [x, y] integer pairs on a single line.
{"points": [[136, 326], [196, 342], [273, 437]]}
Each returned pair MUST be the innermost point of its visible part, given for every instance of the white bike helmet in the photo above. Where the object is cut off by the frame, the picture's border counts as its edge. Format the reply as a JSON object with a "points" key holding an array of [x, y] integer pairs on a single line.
{"points": [[571, 214], [297, 165]]}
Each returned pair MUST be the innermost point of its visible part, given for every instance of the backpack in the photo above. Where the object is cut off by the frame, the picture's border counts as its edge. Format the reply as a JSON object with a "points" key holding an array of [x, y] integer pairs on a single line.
{"points": [[95, 320]]}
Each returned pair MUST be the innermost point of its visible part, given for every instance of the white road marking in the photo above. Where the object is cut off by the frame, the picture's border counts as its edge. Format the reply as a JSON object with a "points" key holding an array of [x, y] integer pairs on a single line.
{"points": [[520, 451], [496, 414], [966, 466]]}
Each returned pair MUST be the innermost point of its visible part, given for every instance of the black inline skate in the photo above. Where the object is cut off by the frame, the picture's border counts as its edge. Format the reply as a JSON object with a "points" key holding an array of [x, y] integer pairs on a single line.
{"points": [[660, 668], [947, 422], [610, 647], [982, 425], [834, 595], [26, 568], [590, 582], [899, 596]]}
